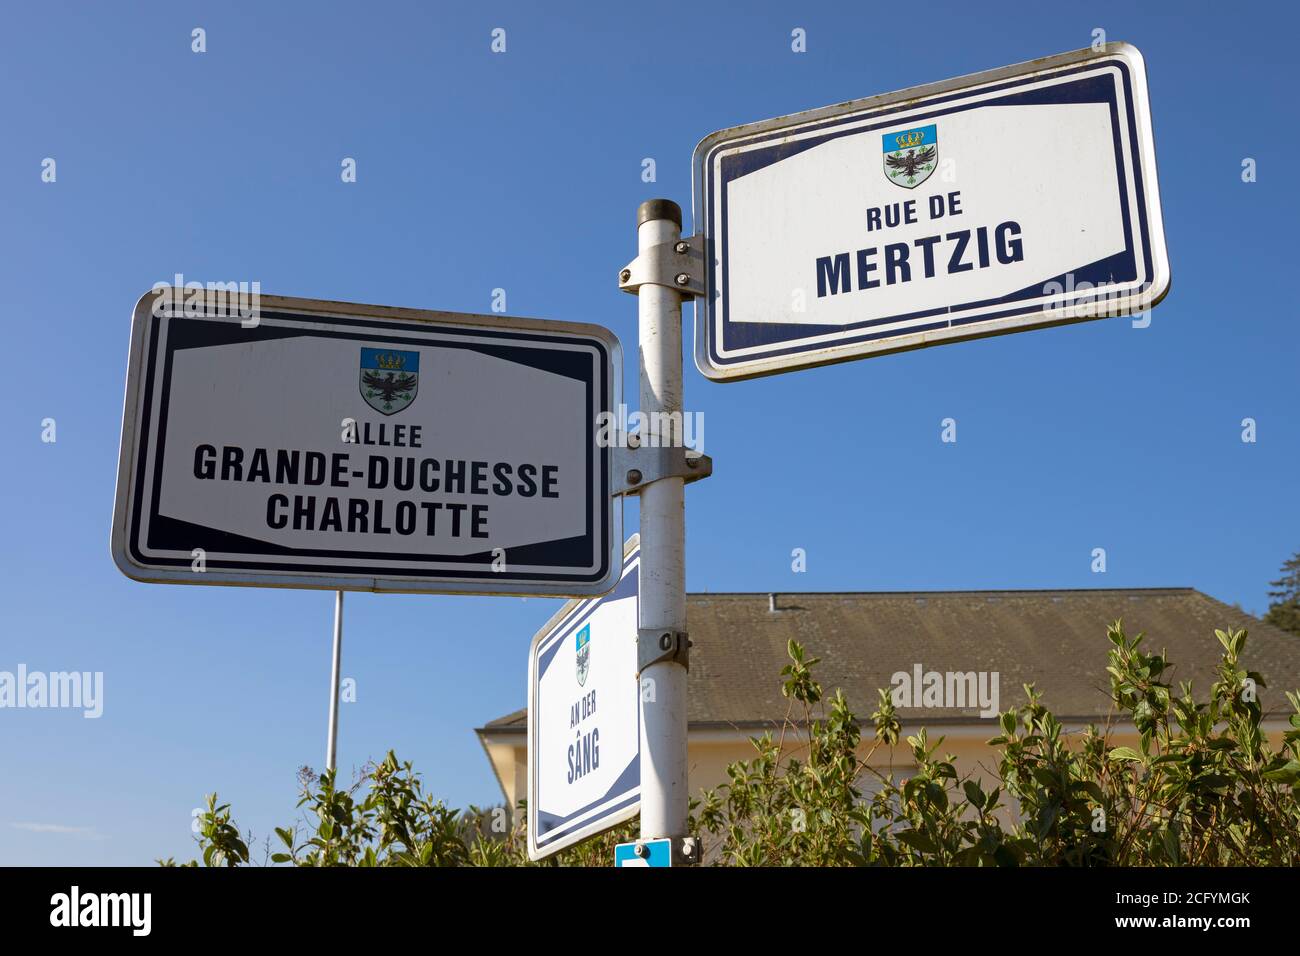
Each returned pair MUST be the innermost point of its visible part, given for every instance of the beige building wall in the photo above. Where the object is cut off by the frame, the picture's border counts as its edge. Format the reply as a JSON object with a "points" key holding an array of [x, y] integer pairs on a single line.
{"points": [[710, 752]]}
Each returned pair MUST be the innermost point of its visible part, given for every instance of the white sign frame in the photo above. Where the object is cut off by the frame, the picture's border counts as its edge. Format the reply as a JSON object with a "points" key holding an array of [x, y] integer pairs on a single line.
{"points": [[725, 349], [615, 807], [411, 571]]}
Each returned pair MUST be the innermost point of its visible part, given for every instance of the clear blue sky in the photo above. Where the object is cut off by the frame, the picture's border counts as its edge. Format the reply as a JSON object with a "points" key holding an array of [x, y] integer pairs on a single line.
{"points": [[523, 171]]}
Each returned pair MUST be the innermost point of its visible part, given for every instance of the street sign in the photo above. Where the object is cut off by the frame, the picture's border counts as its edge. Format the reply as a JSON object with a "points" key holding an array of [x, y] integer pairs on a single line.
{"points": [[1019, 198], [584, 717], [653, 853], [329, 445]]}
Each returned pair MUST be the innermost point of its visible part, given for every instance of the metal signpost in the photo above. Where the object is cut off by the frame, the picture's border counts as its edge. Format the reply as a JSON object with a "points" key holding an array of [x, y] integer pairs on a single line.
{"points": [[584, 717], [336, 664], [662, 642], [654, 464], [1009, 200], [350, 447]]}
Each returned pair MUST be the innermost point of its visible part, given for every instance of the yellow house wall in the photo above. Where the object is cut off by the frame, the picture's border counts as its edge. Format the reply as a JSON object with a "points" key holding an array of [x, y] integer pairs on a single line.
{"points": [[710, 753]]}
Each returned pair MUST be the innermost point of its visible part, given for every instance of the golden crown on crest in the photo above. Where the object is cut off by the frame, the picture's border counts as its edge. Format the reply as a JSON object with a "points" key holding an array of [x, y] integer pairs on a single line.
{"points": [[392, 361], [910, 138]]}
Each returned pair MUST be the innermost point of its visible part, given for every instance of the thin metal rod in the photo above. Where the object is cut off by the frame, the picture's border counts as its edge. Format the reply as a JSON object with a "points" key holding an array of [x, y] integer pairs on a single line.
{"points": [[663, 544], [331, 752]]}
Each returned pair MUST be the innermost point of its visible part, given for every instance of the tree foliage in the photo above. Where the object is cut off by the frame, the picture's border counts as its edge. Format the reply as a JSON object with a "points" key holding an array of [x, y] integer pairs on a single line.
{"points": [[1284, 611]]}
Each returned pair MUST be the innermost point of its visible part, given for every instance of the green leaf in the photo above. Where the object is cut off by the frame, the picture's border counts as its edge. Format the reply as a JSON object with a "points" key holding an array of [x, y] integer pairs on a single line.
{"points": [[1288, 773], [1124, 753], [917, 841], [1003, 856], [1046, 779], [1214, 781]]}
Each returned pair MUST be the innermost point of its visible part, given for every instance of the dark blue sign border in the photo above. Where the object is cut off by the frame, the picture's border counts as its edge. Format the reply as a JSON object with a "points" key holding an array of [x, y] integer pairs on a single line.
{"points": [[167, 534]]}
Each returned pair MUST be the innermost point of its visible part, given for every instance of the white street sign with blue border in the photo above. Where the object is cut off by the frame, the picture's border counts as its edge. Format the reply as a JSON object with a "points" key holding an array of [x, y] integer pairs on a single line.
{"points": [[584, 717], [1019, 198], [331, 445]]}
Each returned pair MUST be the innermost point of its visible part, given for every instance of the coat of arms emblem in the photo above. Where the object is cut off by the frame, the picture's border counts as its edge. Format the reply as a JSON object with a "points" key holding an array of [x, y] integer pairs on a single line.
{"points": [[911, 155], [584, 653], [389, 379]]}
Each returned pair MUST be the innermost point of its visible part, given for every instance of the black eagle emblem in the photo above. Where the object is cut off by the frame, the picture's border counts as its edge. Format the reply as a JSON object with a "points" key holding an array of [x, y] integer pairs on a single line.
{"points": [[388, 386], [911, 162]]}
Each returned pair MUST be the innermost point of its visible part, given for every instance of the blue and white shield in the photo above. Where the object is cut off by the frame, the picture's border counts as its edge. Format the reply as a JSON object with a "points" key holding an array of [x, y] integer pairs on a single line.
{"points": [[584, 653], [389, 379], [910, 155]]}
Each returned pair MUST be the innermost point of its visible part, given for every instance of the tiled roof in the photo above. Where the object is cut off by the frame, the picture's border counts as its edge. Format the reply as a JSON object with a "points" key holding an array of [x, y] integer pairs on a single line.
{"points": [[517, 720], [1053, 639]]}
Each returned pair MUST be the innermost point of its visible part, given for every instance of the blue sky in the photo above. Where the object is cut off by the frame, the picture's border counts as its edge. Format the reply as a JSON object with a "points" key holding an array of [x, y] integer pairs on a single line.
{"points": [[523, 171]]}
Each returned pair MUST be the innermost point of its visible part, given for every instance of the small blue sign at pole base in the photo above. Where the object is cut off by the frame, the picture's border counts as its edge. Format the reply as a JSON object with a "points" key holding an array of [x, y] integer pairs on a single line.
{"points": [[653, 853]]}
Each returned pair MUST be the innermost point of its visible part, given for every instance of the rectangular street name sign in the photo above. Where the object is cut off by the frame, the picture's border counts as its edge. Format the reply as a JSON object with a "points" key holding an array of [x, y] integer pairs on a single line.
{"points": [[330, 445], [1015, 199], [584, 717]]}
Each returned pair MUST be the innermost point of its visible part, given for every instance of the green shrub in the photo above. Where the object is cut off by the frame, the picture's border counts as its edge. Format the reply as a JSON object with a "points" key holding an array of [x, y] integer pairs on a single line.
{"points": [[1204, 787]]}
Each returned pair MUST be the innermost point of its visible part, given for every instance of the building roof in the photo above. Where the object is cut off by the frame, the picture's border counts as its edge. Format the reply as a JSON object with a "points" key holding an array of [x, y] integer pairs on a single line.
{"points": [[1055, 639]]}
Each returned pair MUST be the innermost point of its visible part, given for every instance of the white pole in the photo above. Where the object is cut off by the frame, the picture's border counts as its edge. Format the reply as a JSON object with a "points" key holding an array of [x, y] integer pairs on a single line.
{"points": [[331, 752], [663, 542]]}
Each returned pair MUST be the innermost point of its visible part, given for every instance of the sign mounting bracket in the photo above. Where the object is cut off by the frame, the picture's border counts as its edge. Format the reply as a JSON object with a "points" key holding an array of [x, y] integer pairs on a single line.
{"points": [[678, 265], [636, 466], [655, 644]]}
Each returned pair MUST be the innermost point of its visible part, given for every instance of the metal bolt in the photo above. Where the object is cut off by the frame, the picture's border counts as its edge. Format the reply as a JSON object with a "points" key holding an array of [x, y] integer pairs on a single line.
{"points": [[683, 278], [634, 476], [692, 461], [625, 275], [641, 850], [665, 642], [682, 248]]}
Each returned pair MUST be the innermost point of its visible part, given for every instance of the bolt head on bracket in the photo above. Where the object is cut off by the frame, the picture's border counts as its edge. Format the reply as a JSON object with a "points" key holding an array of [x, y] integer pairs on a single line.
{"points": [[688, 851]]}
